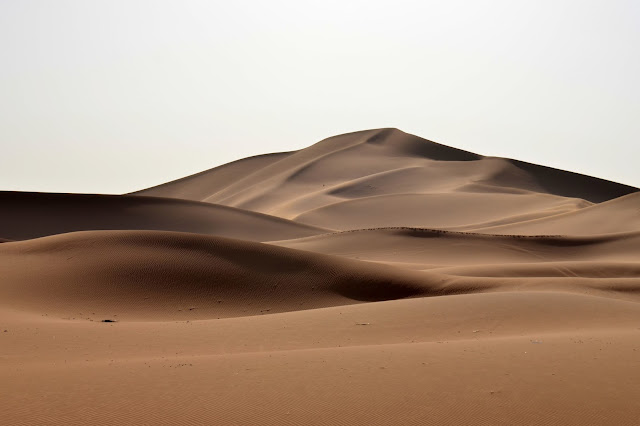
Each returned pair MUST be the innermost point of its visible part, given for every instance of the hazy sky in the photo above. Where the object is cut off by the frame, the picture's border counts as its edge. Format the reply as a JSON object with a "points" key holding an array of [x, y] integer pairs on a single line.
{"points": [[113, 96]]}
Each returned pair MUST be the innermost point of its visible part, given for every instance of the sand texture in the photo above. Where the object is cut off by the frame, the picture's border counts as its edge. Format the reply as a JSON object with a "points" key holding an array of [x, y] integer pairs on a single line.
{"points": [[373, 278]]}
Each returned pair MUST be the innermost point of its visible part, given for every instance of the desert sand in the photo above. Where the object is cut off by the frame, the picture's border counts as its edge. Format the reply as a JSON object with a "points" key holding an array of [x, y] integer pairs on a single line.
{"points": [[372, 278]]}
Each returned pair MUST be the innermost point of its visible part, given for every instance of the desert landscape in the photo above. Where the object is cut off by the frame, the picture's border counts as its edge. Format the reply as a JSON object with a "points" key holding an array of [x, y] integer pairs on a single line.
{"points": [[374, 277]]}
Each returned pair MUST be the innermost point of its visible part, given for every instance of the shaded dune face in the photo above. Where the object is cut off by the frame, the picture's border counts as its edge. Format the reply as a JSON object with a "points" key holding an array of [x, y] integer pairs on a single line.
{"points": [[372, 278], [163, 276], [30, 215], [606, 265]]}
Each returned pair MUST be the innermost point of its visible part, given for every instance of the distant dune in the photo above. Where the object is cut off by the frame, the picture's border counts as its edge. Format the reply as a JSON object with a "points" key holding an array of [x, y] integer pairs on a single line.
{"points": [[372, 278], [618, 215], [32, 215], [375, 162]]}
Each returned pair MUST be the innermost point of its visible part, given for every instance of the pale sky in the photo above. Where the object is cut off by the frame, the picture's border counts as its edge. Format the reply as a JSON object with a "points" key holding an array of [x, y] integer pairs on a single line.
{"points": [[114, 96]]}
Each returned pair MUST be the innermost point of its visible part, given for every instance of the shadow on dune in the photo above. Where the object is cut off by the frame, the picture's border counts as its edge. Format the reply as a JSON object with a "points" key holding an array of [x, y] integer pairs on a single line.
{"points": [[162, 275]]}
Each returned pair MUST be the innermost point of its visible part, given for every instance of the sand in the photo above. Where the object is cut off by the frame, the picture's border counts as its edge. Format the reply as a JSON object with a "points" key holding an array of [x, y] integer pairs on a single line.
{"points": [[372, 278]]}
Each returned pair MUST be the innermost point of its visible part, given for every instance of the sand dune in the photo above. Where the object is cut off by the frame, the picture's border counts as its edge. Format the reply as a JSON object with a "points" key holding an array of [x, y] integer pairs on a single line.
{"points": [[604, 265], [202, 185], [540, 358], [433, 247], [167, 276], [382, 162], [618, 215], [442, 211], [372, 278], [31, 215]]}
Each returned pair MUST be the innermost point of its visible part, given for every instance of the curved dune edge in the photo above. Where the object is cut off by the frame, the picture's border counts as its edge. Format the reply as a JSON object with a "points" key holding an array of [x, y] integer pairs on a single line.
{"points": [[203, 185], [443, 247], [166, 275], [444, 211], [32, 215], [601, 264], [613, 216]]}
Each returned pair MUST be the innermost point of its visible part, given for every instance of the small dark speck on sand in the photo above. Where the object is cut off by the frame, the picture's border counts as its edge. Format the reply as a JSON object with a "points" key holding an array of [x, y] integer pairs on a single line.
{"points": [[109, 320]]}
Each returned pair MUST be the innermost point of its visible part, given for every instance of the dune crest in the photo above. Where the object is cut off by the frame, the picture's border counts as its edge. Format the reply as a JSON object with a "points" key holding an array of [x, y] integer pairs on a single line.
{"points": [[378, 162], [33, 215], [166, 276]]}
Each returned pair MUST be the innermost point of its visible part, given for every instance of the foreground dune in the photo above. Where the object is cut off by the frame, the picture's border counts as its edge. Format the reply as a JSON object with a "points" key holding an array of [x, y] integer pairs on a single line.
{"points": [[166, 276], [372, 278], [498, 358]]}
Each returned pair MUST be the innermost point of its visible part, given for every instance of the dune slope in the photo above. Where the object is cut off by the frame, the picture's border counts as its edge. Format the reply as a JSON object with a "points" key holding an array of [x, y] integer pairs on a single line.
{"points": [[356, 169], [30, 215], [489, 359], [618, 215], [166, 276]]}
